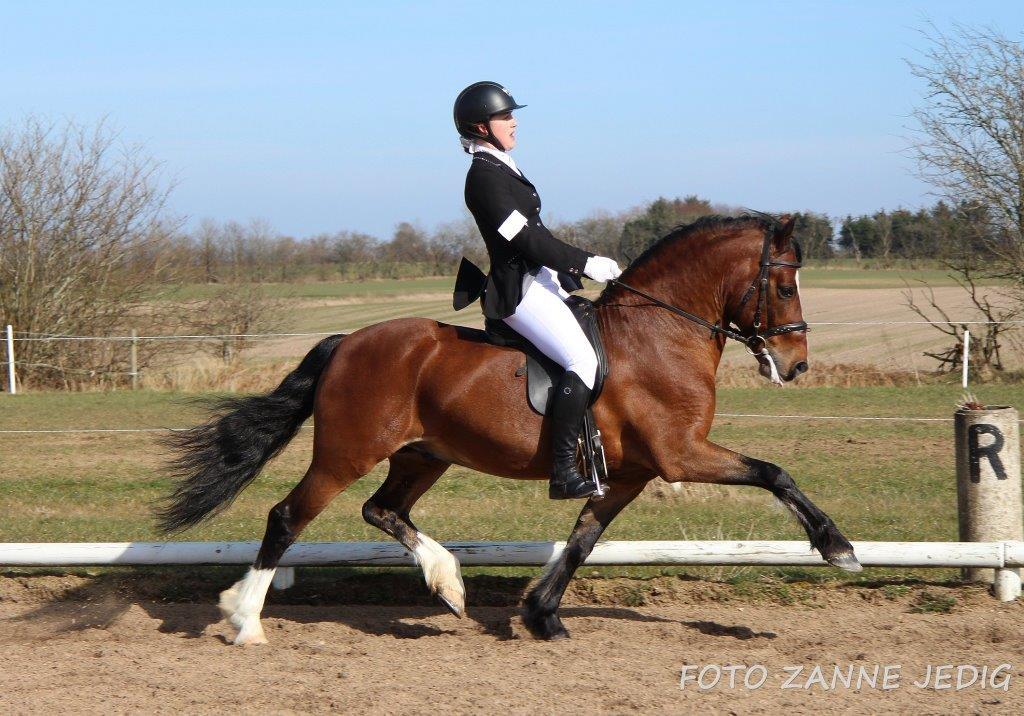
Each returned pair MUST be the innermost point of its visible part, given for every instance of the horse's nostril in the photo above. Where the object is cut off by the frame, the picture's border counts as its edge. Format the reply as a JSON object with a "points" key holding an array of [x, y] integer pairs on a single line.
{"points": [[800, 367]]}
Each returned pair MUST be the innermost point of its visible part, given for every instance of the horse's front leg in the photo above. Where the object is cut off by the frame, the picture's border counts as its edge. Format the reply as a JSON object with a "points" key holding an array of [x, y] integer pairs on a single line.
{"points": [[540, 613], [704, 461]]}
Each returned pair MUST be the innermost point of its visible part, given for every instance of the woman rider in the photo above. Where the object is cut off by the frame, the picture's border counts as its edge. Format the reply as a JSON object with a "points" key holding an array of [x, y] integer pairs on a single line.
{"points": [[531, 271]]}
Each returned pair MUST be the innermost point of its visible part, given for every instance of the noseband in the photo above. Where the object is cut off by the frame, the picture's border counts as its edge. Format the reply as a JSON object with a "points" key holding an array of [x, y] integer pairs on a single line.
{"points": [[757, 340]]}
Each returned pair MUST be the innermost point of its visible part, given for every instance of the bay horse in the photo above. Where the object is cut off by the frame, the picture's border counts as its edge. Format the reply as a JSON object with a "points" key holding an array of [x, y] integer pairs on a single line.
{"points": [[425, 395]]}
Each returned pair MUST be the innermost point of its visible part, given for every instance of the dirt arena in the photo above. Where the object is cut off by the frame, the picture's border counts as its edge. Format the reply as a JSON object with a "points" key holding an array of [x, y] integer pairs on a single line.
{"points": [[79, 644]]}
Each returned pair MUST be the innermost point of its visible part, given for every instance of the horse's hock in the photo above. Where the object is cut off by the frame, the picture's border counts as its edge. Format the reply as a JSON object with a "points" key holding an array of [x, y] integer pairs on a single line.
{"points": [[989, 487]]}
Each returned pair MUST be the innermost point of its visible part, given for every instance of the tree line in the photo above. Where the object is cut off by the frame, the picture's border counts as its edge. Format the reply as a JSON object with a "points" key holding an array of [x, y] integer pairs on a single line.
{"points": [[234, 252]]}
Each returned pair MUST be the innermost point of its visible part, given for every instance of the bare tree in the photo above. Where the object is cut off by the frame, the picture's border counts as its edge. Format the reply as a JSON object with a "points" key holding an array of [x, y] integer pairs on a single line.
{"points": [[884, 222], [76, 206], [969, 144], [235, 312], [986, 345], [970, 141]]}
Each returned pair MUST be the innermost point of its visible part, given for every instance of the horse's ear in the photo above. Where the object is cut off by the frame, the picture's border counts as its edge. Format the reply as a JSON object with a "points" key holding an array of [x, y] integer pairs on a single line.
{"points": [[784, 233]]}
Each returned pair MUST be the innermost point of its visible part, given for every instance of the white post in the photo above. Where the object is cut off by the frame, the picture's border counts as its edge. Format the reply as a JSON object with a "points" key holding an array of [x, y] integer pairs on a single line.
{"points": [[988, 488], [12, 381], [135, 359], [967, 354], [284, 578]]}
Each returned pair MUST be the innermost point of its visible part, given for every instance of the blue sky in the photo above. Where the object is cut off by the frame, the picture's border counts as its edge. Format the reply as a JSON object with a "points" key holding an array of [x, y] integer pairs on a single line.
{"points": [[327, 116]]}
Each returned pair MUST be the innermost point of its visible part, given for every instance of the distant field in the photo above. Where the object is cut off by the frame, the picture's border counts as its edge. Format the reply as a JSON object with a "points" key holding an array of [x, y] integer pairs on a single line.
{"points": [[831, 275], [891, 347], [371, 288], [881, 481]]}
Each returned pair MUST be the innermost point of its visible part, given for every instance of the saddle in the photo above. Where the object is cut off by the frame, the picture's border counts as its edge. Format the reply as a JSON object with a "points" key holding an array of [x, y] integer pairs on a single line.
{"points": [[541, 372]]}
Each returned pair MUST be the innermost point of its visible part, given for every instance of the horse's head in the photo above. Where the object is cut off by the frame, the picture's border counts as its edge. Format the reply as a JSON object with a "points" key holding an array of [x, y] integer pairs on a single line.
{"points": [[764, 301], [725, 271]]}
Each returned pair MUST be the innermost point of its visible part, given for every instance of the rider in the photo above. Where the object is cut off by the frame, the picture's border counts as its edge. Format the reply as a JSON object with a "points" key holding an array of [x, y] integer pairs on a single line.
{"points": [[531, 271]]}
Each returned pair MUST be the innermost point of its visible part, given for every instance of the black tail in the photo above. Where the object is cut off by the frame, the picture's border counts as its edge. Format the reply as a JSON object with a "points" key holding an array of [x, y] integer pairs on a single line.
{"points": [[218, 459]]}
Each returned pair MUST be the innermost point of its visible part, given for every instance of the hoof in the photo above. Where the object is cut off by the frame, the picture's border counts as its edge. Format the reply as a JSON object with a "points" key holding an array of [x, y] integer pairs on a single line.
{"points": [[845, 560], [562, 633], [547, 627], [454, 602], [442, 573], [251, 633]]}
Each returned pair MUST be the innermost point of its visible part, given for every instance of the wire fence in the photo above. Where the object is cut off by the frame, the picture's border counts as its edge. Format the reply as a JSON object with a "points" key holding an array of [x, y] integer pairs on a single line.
{"points": [[42, 337], [758, 416], [907, 347]]}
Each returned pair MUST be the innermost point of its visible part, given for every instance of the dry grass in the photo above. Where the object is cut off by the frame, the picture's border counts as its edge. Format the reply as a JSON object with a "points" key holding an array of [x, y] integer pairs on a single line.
{"points": [[206, 373]]}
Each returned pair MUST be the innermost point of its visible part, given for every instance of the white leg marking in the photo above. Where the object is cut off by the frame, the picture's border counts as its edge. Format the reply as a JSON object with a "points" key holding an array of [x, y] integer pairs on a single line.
{"points": [[554, 563], [441, 572], [242, 603]]}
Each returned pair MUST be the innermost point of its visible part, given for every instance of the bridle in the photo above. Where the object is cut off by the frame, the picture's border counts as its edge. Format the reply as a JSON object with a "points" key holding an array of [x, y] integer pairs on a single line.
{"points": [[756, 341], [760, 284]]}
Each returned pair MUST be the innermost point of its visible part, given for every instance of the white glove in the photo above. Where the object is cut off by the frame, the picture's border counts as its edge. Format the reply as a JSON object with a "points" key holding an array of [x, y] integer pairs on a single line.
{"points": [[601, 268]]}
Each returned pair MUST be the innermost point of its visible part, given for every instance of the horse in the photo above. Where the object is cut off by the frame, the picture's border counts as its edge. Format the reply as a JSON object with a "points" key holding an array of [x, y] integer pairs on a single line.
{"points": [[426, 395]]}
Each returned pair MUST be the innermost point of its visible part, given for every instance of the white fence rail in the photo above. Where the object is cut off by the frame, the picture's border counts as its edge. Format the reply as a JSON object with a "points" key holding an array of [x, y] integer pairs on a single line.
{"points": [[996, 555]]}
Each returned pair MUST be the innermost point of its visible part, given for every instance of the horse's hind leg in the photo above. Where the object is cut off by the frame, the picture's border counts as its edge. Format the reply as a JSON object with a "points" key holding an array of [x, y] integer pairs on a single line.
{"points": [[541, 609], [242, 603], [411, 474]]}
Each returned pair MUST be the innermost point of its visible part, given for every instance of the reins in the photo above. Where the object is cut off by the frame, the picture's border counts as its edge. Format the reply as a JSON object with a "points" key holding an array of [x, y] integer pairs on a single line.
{"points": [[713, 327], [758, 340]]}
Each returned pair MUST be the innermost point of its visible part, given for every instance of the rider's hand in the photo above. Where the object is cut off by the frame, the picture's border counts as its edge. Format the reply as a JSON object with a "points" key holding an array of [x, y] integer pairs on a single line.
{"points": [[601, 268]]}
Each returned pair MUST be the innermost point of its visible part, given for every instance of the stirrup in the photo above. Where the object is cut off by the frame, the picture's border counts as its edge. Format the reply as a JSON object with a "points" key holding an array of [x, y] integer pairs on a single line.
{"points": [[574, 489]]}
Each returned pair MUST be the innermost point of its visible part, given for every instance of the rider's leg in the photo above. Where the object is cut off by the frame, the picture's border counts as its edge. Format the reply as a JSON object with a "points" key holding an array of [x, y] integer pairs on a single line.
{"points": [[543, 318]]}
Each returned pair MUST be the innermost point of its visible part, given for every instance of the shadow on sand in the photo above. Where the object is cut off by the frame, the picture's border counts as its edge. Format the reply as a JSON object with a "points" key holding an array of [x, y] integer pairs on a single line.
{"points": [[377, 603]]}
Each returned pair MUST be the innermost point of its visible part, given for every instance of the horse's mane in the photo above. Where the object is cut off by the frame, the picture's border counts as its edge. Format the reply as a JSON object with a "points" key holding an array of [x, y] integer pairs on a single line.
{"points": [[712, 223]]}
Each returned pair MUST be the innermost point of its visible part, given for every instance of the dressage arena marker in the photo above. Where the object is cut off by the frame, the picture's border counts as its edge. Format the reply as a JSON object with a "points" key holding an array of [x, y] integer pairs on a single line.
{"points": [[988, 485]]}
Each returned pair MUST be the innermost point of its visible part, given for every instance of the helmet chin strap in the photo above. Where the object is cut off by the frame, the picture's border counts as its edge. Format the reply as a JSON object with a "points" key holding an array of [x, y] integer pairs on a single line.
{"points": [[492, 138]]}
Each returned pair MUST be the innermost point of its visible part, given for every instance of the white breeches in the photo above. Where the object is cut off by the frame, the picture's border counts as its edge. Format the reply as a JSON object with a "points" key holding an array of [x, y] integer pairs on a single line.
{"points": [[543, 319]]}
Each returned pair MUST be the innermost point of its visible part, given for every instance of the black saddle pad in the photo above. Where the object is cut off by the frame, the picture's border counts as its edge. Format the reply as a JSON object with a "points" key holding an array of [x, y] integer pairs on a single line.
{"points": [[541, 372]]}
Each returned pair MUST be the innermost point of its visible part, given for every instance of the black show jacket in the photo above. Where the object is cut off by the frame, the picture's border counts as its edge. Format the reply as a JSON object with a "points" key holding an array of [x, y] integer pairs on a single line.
{"points": [[507, 212]]}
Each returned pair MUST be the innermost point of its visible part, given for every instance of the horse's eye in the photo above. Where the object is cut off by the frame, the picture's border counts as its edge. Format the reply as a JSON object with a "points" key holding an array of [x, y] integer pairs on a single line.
{"points": [[787, 291]]}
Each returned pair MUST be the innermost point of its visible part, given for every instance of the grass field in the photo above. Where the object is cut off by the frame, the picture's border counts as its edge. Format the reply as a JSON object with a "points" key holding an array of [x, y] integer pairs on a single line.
{"points": [[828, 275], [879, 481]]}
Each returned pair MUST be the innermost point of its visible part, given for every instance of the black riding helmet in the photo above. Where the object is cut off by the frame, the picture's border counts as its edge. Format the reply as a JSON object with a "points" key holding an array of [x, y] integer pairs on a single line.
{"points": [[477, 104]]}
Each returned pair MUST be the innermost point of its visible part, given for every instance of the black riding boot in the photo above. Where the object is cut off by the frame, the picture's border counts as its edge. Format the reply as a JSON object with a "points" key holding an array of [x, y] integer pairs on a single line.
{"points": [[568, 405]]}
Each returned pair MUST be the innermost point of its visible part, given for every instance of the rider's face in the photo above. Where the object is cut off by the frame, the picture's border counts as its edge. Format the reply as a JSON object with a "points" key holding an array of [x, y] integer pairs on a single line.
{"points": [[504, 128]]}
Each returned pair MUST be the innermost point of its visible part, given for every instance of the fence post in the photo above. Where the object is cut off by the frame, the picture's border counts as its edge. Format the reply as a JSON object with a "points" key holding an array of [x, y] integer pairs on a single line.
{"points": [[12, 379], [988, 486], [284, 578], [135, 359], [967, 354]]}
